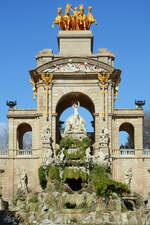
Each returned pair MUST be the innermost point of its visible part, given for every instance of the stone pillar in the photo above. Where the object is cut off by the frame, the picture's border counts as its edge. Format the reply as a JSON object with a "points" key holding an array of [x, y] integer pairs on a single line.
{"points": [[12, 134], [97, 130], [53, 128], [40, 98], [110, 100]]}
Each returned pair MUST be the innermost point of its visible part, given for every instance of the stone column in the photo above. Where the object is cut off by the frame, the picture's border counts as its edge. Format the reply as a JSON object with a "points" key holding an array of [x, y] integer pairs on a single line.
{"points": [[97, 130], [12, 135], [53, 128], [110, 100]]}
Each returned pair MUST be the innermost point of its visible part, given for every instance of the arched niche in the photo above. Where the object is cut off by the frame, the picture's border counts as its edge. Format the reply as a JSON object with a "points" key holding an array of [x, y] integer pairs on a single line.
{"points": [[129, 129], [67, 101], [22, 131]]}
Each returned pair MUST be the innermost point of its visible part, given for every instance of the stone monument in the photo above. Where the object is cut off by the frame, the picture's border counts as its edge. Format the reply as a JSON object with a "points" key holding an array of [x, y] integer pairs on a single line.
{"points": [[75, 76]]}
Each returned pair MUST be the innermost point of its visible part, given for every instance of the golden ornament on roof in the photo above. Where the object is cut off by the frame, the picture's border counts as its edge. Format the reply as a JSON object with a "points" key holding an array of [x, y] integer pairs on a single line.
{"points": [[77, 21]]}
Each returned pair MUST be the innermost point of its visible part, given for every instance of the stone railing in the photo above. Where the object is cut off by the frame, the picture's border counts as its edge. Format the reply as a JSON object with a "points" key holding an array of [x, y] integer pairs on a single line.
{"points": [[3, 152], [127, 152], [146, 152], [24, 152], [131, 152]]}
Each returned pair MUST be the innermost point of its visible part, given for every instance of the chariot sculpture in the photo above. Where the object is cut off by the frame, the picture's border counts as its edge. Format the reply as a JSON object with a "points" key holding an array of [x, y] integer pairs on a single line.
{"points": [[77, 21]]}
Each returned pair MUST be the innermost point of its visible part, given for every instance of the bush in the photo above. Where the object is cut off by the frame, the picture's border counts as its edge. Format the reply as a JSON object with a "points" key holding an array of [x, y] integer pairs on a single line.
{"points": [[53, 173], [86, 142], [66, 143], [104, 186], [33, 199], [42, 177]]}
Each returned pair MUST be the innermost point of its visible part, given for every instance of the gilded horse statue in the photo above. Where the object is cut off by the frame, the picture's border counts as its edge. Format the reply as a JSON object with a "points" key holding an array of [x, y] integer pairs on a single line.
{"points": [[59, 20], [90, 18], [68, 18], [77, 21]]}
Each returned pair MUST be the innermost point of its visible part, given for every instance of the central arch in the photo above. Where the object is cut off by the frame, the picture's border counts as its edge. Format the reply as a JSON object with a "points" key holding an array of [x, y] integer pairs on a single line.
{"points": [[68, 100]]}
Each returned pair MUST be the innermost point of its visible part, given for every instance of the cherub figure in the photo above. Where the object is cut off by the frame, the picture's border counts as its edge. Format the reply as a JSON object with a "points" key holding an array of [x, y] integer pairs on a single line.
{"points": [[90, 18], [59, 20]]}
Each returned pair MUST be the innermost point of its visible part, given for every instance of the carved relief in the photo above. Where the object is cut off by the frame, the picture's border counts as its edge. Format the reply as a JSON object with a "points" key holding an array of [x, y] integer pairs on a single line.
{"points": [[46, 135], [104, 138], [74, 67], [128, 177]]}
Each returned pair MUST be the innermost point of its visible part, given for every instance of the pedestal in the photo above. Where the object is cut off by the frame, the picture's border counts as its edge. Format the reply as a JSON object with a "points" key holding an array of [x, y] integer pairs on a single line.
{"points": [[75, 43]]}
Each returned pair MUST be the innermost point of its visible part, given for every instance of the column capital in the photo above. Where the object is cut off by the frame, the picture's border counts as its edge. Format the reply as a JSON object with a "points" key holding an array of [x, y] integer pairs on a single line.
{"points": [[54, 114], [95, 114]]}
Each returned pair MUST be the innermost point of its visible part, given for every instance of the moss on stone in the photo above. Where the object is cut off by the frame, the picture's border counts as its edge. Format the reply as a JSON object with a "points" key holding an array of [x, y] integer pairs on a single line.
{"points": [[104, 186], [42, 177], [76, 154], [74, 173], [53, 173]]}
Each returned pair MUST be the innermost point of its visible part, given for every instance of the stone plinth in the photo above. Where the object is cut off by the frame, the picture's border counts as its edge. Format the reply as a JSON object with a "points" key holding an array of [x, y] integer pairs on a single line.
{"points": [[75, 43]]}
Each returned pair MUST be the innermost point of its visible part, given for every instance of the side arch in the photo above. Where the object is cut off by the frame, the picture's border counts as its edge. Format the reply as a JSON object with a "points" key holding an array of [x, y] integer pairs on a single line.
{"points": [[22, 129], [129, 128]]}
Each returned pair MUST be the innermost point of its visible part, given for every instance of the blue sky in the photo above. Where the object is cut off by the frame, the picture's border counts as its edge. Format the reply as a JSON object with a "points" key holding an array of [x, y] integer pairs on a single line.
{"points": [[25, 29]]}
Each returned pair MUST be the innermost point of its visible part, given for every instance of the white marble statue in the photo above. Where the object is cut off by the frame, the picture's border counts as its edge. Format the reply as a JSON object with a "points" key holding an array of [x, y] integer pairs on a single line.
{"points": [[46, 134], [47, 158], [104, 137], [88, 156], [128, 177], [22, 179], [76, 114], [99, 157], [75, 124]]}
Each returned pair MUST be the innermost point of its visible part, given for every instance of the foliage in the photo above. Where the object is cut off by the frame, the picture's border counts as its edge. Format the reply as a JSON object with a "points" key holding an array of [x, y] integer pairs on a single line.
{"points": [[33, 199], [74, 173], [53, 173], [66, 143], [79, 154], [104, 186], [78, 146], [69, 142], [42, 177], [86, 142]]}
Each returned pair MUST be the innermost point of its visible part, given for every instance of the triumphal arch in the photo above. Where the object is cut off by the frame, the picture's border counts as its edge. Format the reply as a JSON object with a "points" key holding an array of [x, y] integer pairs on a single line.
{"points": [[75, 77]]}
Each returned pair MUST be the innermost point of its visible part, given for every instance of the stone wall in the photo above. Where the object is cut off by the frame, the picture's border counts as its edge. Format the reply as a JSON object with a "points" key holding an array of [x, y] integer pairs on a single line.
{"points": [[10, 178]]}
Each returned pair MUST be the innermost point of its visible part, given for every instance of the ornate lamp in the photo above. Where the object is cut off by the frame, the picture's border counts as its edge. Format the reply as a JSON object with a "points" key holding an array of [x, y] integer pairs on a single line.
{"points": [[11, 104], [139, 103]]}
